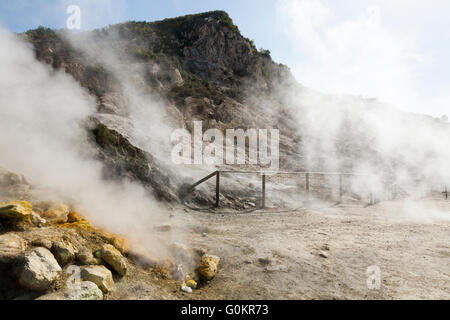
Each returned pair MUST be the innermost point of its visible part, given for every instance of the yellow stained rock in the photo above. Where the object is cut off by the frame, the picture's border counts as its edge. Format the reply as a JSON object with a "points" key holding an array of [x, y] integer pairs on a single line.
{"points": [[84, 224], [73, 217], [114, 258], [58, 213], [15, 209], [191, 284], [120, 243], [208, 266]]}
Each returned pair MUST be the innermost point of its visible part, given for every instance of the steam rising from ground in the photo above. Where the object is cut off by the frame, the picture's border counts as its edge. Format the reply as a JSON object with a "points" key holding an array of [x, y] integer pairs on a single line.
{"points": [[397, 154], [149, 126], [396, 151], [42, 135]]}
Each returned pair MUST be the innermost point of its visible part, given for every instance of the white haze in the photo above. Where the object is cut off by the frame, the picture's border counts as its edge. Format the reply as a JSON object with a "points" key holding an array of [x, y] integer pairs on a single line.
{"points": [[148, 120], [149, 128], [42, 135], [361, 56], [387, 147], [358, 48]]}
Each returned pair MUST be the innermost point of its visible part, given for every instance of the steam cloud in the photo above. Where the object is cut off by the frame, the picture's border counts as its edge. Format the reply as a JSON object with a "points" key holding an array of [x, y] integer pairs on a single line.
{"points": [[43, 136]]}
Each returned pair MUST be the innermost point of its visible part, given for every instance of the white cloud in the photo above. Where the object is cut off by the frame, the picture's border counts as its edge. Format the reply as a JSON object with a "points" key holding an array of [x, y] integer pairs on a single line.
{"points": [[355, 53]]}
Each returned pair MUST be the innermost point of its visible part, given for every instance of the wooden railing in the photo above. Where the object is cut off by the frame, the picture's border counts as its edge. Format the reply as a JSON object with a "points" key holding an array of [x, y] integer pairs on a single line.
{"points": [[263, 175]]}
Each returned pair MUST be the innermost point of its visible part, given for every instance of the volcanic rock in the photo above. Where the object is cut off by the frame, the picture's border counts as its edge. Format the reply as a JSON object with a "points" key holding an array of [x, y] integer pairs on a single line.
{"points": [[39, 269], [99, 275], [113, 258]]}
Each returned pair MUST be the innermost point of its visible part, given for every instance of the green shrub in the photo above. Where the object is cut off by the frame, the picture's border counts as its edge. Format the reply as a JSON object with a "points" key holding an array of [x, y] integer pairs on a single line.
{"points": [[264, 53]]}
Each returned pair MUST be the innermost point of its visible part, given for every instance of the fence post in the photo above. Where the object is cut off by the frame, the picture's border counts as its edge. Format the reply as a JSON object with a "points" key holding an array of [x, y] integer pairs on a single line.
{"points": [[263, 190], [217, 188], [307, 184], [341, 191]]}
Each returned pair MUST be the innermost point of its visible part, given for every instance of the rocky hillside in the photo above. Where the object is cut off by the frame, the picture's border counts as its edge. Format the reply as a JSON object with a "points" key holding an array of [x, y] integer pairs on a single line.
{"points": [[200, 66]]}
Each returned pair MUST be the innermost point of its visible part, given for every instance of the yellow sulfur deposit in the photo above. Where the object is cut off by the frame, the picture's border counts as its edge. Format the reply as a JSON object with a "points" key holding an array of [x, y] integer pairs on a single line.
{"points": [[191, 284], [15, 209], [208, 266], [74, 219]]}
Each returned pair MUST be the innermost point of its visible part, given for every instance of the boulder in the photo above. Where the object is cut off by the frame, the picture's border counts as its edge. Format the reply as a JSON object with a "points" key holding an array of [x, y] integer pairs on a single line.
{"points": [[208, 266], [15, 210], [64, 252], [99, 275], [39, 269], [11, 247], [85, 257], [87, 290], [114, 258]]}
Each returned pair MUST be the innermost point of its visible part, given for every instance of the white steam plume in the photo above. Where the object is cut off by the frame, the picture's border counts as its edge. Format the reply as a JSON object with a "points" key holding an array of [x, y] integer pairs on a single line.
{"points": [[42, 112]]}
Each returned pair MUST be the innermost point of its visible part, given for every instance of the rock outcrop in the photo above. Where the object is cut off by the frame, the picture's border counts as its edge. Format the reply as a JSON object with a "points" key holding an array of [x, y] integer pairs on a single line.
{"points": [[199, 66], [17, 210], [123, 160]]}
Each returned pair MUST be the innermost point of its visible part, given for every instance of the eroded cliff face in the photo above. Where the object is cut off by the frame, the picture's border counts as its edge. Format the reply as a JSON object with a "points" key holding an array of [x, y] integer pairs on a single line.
{"points": [[199, 67]]}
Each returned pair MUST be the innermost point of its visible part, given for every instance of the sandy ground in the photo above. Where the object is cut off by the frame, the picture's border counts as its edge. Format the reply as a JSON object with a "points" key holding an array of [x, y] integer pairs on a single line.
{"points": [[276, 254]]}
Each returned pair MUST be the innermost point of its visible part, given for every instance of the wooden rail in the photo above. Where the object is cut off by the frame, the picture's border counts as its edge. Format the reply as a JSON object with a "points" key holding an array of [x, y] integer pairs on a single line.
{"points": [[263, 181], [372, 199]]}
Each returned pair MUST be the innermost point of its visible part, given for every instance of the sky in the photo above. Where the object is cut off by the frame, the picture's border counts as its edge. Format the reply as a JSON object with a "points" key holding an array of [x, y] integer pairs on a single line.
{"points": [[393, 50]]}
